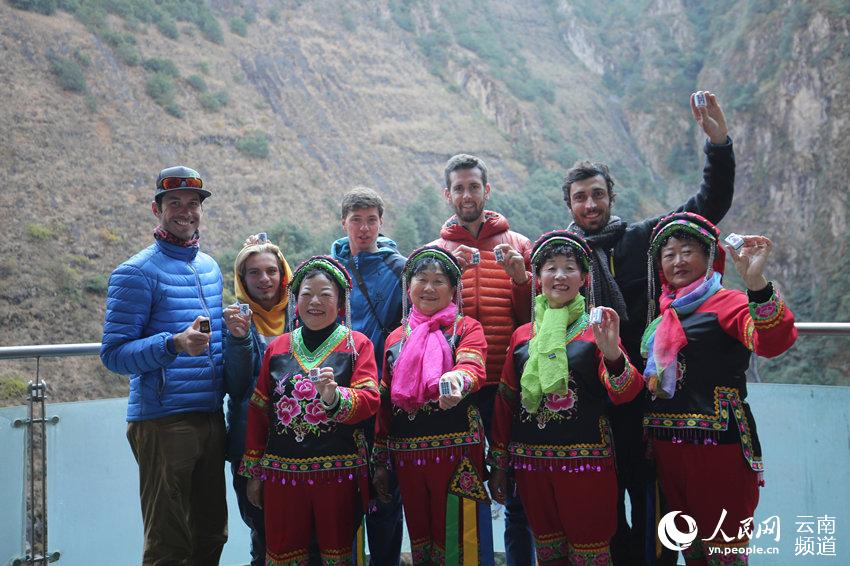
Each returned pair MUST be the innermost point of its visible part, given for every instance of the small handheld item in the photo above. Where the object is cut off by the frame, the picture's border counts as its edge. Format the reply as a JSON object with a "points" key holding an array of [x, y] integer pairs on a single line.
{"points": [[699, 100], [500, 255], [476, 258], [204, 326], [314, 374], [595, 315], [735, 241], [262, 237], [445, 386], [244, 309]]}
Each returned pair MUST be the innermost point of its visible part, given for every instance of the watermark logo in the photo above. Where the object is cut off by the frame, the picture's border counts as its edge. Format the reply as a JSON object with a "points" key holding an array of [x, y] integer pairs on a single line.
{"points": [[671, 537], [807, 544]]}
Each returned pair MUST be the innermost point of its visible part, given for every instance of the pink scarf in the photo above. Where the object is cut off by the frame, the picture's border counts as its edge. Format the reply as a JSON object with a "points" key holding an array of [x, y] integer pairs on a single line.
{"points": [[425, 357]]}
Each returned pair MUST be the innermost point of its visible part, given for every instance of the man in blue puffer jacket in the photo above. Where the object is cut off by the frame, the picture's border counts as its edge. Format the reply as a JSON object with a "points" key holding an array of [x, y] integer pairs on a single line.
{"points": [[163, 328], [375, 267]]}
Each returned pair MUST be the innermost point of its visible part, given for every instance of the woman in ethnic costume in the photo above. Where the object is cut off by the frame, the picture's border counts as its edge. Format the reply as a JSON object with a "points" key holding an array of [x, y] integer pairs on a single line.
{"points": [[704, 438], [435, 442], [304, 451], [549, 420]]}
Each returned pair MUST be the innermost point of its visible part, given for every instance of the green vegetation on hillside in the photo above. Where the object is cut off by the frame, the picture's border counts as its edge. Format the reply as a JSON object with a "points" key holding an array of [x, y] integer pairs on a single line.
{"points": [[254, 144], [69, 73], [472, 26]]}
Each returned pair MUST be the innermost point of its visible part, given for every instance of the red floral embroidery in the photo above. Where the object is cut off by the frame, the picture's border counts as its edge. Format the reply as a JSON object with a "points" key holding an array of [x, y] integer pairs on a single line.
{"points": [[555, 402], [314, 413], [287, 409], [304, 389]]}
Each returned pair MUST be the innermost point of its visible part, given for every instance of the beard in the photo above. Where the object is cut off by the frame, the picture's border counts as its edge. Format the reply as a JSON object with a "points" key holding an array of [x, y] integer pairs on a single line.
{"points": [[469, 215]]}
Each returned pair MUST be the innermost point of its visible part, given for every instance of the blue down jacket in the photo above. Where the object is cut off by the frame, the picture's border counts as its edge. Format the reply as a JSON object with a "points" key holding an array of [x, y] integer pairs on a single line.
{"points": [[152, 296]]}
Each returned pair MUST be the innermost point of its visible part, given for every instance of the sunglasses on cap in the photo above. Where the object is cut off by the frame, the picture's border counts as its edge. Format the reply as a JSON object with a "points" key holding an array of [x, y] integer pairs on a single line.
{"points": [[170, 183]]}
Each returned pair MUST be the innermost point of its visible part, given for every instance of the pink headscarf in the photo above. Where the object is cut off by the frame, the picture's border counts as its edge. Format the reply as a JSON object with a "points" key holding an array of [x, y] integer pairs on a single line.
{"points": [[424, 358]]}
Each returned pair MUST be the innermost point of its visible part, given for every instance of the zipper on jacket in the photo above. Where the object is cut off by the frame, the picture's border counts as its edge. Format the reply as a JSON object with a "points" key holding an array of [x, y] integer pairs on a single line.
{"points": [[207, 313], [161, 387]]}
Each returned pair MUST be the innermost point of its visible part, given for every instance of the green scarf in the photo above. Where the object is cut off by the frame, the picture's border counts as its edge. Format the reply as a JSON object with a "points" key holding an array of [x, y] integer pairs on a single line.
{"points": [[547, 370]]}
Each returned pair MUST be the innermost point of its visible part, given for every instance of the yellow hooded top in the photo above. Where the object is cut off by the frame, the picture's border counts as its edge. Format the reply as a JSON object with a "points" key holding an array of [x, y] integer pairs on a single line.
{"points": [[268, 323]]}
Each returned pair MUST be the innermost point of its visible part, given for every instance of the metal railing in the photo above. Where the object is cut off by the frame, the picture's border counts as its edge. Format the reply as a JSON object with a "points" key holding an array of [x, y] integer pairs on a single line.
{"points": [[93, 348], [36, 422]]}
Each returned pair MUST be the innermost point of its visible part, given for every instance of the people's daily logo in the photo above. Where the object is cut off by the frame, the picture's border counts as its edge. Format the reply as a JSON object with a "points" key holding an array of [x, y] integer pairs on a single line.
{"points": [[671, 537]]}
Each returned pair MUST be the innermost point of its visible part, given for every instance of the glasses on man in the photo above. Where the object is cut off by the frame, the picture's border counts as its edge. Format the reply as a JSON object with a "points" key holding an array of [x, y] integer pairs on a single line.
{"points": [[170, 183]]}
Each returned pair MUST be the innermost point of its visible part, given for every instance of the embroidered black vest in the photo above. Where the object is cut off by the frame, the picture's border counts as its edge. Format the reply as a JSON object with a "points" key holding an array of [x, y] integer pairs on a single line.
{"points": [[565, 427], [709, 405], [431, 427], [300, 428]]}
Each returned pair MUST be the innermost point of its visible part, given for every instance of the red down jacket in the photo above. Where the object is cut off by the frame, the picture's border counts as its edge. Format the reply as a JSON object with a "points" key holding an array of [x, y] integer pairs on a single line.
{"points": [[489, 295]]}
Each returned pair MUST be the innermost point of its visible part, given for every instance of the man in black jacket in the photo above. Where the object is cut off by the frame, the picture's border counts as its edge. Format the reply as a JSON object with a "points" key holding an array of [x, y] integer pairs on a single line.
{"points": [[620, 282]]}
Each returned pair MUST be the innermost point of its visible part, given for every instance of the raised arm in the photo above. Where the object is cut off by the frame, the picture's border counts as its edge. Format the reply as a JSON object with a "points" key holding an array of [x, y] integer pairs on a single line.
{"points": [[714, 197], [763, 322], [718, 175]]}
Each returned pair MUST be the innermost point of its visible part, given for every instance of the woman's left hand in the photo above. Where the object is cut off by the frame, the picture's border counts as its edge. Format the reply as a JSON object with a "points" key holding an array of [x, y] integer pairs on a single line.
{"points": [[327, 386], [607, 334], [750, 261], [450, 401]]}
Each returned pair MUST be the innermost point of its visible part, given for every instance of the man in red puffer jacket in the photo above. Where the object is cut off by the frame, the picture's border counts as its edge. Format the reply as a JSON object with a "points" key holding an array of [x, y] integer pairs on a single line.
{"points": [[495, 293]]}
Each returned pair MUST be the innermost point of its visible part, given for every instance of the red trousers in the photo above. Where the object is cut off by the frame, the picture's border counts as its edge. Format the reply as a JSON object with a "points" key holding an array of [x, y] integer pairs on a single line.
{"points": [[572, 515], [701, 481], [424, 490], [297, 514]]}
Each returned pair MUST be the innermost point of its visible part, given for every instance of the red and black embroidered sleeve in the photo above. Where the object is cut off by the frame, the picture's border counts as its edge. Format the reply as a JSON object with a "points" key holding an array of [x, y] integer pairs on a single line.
{"points": [[624, 386], [766, 328], [259, 411], [506, 404], [380, 453], [471, 355], [361, 399]]}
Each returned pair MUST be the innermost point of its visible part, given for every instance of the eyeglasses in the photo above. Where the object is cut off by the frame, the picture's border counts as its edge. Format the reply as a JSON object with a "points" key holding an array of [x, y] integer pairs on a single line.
{"points": [[182, 183]]}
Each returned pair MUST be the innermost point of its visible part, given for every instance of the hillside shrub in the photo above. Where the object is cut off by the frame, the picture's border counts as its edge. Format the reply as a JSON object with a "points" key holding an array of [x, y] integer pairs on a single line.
{"points": [[97, 284], [254, 144], [159, 65], [69, 73], [12, 388], [128, 54], [82, 58], [160, 87], [213, 101], [39, 232], [400, 12], [46, 7], [168, 27], [210, 28], [238, 26], [197, 82]]}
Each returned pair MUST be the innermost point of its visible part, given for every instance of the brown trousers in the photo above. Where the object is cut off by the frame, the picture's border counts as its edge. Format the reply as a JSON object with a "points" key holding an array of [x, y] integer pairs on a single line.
{"points": [[182, 487]]}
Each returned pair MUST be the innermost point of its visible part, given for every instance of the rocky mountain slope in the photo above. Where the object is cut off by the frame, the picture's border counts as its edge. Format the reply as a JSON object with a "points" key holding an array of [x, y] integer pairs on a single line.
{"points": [[283, 106]]}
